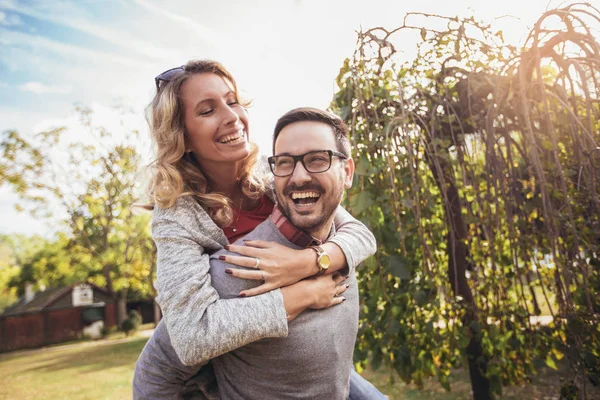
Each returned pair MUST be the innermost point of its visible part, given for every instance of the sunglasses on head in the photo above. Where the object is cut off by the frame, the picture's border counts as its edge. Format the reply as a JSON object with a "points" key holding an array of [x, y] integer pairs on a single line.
{"points": [[167, 75]]}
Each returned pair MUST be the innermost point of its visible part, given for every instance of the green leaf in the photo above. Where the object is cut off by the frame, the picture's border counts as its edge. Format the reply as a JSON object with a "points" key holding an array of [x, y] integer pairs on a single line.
{"points": [[550, 362], [420, 297], [361, 202], [399, 266]]}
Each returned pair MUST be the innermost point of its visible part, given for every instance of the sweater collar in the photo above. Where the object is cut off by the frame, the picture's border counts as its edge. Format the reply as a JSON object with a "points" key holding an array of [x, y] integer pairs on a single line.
{"points": [[290, 232]]}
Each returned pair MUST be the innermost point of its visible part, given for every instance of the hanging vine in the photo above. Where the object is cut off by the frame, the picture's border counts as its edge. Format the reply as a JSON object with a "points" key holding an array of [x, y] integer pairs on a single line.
{"points": [[478, 168]]}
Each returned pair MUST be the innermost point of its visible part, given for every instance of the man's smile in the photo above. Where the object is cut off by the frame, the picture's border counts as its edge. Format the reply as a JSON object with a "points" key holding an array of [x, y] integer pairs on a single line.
{"points": [[305, 198]]}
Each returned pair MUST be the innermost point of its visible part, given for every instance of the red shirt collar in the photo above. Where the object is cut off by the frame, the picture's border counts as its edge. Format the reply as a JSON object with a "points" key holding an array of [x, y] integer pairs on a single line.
{"points": [[290, 232]]}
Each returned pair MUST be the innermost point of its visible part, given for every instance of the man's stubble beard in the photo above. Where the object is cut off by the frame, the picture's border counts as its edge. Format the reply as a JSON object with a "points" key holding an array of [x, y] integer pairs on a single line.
{"points": [[314, 223]]}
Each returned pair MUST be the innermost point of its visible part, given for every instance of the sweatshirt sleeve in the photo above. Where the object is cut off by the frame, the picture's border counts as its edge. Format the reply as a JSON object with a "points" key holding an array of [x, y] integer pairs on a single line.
{"points": [[200, 324], [353, 237]]}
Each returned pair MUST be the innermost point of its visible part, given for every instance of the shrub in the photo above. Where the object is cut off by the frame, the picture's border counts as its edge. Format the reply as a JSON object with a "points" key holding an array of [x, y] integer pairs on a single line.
{"points": [[132, 323], [108, 330]]}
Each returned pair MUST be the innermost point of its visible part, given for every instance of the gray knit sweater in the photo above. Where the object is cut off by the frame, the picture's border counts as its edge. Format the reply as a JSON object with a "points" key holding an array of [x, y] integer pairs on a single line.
{"points": [[313, 362], [202, 326]]}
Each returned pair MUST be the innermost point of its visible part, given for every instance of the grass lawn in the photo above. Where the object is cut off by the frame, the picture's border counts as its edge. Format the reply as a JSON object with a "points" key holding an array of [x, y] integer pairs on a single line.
{"points": [[104, 370], [89, 370]]}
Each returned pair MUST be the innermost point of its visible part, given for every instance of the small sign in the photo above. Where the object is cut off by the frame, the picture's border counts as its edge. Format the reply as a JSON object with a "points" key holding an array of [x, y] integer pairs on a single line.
{"points": [[82, 295]]}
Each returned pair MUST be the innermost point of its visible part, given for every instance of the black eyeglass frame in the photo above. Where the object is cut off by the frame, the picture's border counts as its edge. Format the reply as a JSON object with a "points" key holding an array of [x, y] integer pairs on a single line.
{"points": [[167, 75], [271, 160]]}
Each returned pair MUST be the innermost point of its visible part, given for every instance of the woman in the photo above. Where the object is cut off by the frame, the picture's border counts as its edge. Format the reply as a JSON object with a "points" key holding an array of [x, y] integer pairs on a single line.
{"points": [[207, 193]]}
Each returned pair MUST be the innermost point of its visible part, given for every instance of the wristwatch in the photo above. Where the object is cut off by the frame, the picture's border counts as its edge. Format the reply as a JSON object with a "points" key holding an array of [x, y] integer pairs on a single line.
{"points": [[323, 259]]}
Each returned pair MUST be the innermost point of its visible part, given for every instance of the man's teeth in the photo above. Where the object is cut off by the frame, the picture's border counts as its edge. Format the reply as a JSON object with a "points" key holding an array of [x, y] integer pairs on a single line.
{"points": [[304, 195], [231, 138]]}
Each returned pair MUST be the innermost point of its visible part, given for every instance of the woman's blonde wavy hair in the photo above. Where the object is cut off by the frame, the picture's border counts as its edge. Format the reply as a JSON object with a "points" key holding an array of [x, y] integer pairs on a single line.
{"points": [[176, 173]]}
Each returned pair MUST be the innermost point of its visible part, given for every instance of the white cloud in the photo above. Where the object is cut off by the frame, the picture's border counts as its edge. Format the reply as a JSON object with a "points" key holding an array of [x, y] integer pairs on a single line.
{"points": [[69, 18], [121, 123], [209, 35], [13, 38], [9, 19], [40, 88], [12, 221]]}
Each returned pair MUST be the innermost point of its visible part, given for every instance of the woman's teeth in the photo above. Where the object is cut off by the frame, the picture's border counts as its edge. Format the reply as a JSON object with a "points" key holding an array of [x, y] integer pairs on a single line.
{"points": [[232, 138]]}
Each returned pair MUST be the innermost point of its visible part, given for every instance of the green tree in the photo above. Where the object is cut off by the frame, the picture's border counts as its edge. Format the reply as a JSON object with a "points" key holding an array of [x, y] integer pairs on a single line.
{"points": [[8, 272], [90, 189], [477, 167]]}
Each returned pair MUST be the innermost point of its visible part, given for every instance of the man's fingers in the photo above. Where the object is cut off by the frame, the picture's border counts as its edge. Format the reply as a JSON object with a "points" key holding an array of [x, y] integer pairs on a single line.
{"points": [[261, 244], [264, 288], [245, 274], [249, 262]]}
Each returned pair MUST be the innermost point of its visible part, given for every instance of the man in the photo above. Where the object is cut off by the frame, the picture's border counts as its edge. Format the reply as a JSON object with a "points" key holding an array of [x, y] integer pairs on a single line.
{"points": [[312, 167]]}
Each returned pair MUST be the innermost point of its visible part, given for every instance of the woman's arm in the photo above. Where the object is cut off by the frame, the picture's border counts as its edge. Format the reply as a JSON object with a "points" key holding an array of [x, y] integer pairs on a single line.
{"points": [[353, 238], [202, 326], [351, 245]]}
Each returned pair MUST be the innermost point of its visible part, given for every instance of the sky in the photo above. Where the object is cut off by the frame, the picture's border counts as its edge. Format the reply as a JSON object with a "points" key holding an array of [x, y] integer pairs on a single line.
{"points": [[284, 54]]}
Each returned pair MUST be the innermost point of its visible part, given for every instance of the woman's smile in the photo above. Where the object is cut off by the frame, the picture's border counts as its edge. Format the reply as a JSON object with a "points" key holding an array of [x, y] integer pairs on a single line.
{"points": [[237, 137]]}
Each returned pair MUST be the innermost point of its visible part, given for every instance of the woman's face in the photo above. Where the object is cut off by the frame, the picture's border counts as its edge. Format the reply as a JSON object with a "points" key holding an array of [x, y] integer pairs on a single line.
{"points": [[216, 124]]}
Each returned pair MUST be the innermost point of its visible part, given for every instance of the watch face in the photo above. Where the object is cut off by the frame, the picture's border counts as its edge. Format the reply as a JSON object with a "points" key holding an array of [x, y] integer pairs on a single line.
{"points": [[324, 260]]}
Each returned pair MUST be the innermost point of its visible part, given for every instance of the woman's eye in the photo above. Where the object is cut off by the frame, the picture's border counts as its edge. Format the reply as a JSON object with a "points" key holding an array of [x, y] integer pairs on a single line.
{"points": [[206, 112], [233, 103]]}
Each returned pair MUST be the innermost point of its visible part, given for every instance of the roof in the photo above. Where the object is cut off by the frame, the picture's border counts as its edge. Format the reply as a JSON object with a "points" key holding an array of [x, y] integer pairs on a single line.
{"points": [[44, 299]]}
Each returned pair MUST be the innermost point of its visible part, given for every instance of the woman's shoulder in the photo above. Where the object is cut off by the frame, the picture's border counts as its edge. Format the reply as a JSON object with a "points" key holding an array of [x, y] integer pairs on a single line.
{"points": [[185, 208], [187, 216]]}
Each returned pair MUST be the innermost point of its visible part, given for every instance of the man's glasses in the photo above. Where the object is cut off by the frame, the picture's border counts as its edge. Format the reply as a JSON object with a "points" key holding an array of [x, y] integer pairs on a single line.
{"points": [[313, 161], [167, 75]]}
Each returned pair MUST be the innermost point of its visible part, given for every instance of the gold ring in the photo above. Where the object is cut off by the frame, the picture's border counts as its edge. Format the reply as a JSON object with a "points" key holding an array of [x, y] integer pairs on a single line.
{"points": [[257, 263]]}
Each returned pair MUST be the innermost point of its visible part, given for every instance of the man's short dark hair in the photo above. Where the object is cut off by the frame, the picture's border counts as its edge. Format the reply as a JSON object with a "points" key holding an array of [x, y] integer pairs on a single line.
{"points": [[340, 129]]}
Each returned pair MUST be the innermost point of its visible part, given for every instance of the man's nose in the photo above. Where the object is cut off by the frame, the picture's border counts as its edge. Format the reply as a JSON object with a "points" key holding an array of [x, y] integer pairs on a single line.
{"points": [[300, 174]]}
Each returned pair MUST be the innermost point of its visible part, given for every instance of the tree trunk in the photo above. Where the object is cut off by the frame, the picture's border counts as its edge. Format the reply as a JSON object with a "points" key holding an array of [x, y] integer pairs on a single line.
{"points": [[536, 306], [121, 306], [457, 266]]}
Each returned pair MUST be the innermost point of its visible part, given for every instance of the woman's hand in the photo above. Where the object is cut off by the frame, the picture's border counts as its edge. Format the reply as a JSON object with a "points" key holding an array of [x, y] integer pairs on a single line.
{"points": [[327, 290], [319, 292], [278, 265]]}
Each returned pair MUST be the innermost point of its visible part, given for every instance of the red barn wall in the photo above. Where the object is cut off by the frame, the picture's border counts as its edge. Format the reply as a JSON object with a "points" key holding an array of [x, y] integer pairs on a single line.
{"points": [[110, 315], [63, 325], [22, 332]]}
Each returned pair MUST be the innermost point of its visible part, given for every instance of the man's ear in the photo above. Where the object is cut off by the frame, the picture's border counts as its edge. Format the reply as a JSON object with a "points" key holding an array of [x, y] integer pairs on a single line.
{"points": [[349, 170]]}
